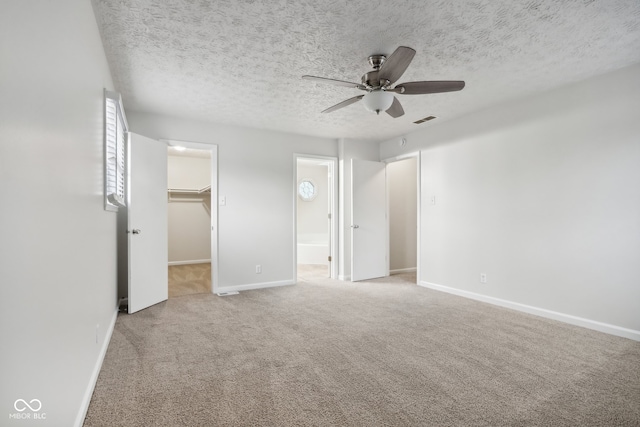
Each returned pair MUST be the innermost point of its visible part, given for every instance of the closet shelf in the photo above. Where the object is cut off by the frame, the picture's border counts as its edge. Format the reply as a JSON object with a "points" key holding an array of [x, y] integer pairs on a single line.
{"points": [[186, 194], [206, 189]]}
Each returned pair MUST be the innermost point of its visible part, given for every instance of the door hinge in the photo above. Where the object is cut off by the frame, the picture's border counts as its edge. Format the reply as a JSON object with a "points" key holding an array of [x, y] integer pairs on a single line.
{"points": [[329, 216], [329, 258]]}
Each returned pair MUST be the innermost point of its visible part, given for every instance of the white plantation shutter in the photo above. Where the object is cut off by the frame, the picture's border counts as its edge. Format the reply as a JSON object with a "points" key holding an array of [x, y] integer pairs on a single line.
{"points": [[115, 134]]}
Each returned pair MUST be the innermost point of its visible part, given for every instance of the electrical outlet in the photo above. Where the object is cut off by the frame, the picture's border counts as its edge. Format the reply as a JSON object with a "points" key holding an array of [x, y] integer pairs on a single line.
{"points": [[483, 277], [258, 269], [223, 201]]}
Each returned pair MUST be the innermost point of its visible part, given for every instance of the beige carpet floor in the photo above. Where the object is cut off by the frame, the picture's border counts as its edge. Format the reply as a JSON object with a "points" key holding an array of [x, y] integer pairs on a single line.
{"points": [[189, 279], [312, 271], [378, 353]]}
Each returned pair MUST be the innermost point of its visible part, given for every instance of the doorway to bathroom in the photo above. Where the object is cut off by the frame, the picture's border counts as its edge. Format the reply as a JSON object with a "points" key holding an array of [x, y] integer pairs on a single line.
{"points": [[315, 205]]}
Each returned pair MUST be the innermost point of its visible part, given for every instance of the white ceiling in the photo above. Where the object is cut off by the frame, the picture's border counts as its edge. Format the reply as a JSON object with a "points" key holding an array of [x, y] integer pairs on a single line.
{"points": [[179, 151], [240, 62]]}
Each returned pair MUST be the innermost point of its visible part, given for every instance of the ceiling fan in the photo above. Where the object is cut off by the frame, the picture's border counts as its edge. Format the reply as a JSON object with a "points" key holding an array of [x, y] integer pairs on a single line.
{"points": [[377, 84]]}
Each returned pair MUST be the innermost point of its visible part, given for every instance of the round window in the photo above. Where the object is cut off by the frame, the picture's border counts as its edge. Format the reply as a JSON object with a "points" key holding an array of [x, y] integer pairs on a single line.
{"points": [[307, 190]]}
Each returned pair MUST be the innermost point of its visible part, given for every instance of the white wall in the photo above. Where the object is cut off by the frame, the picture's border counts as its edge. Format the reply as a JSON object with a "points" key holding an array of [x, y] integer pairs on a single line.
{"points": [[403, 208], [186, 172], [57, 244], [543, 195], [349, 149], [256, 176], [189, 225]]}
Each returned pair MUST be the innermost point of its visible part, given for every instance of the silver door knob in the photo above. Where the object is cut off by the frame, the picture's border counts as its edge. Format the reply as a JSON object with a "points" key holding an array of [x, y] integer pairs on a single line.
{"points": [[136, 231], [355, 226]]}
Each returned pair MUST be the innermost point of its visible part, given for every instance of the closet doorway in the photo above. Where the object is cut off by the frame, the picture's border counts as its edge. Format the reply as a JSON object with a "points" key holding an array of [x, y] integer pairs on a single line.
{"points": [[403, 213], [191, 172]]}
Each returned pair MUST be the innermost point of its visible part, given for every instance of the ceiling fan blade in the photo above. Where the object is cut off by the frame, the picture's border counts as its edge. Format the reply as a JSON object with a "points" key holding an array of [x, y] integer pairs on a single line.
{"points": [[396, 109], [334, 82], [344, 103], [395, 65], [420, 88]]}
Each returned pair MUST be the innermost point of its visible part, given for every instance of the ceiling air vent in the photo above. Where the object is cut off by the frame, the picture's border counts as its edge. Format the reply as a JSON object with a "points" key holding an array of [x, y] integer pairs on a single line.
{"points": [[426, 119]]}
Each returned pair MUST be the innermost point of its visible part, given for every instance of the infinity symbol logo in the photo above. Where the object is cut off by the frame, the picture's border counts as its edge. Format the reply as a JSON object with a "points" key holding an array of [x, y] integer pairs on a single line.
{"points": [[21, 403]]}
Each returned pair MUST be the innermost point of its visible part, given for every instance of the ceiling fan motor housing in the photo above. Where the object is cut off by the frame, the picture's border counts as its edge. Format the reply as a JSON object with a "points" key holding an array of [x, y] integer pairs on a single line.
{"points": [[372, 81], [371, 78]]}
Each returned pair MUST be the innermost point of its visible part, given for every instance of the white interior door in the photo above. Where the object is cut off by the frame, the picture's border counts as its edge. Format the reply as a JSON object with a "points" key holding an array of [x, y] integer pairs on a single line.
{"points": [[368, 220], [147, 222]]}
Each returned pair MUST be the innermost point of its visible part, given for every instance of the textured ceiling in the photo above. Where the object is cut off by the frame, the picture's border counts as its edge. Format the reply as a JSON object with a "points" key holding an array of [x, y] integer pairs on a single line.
{"points": [[240, 62]]}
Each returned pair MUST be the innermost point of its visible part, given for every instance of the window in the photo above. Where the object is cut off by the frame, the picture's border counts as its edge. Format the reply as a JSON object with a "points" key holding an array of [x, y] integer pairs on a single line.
{"points": [[115, 134], [307, 190]]}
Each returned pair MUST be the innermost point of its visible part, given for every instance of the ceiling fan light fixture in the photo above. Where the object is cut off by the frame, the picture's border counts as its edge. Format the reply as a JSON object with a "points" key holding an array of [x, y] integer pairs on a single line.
{"points": [[378, 101], [377, 84]]}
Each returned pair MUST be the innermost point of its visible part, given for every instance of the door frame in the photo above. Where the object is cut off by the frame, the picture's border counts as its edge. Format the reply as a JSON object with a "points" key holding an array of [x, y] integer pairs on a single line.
{"points": [[333, 210], [213, 148], [401, 157]]}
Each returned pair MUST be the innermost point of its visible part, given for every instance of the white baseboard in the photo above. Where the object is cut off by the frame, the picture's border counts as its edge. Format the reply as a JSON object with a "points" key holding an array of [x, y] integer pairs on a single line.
{"points": [[86, 400], [194, 261], [554, 315], [403, 270], [251, 286], [345, 278]]}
